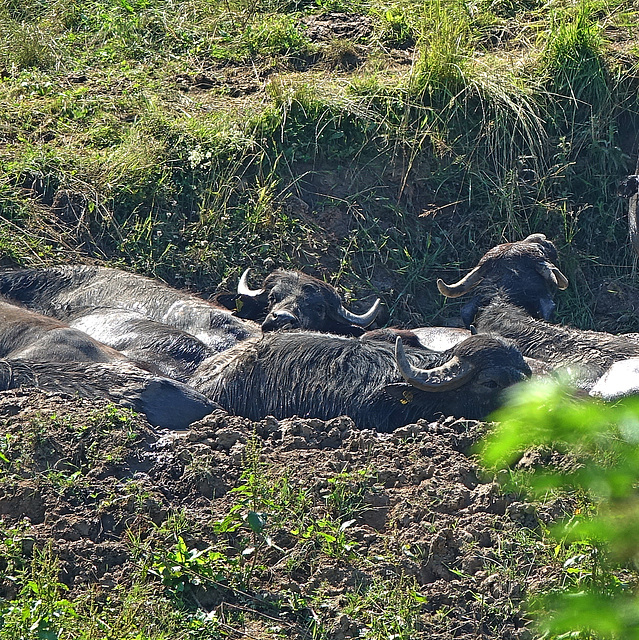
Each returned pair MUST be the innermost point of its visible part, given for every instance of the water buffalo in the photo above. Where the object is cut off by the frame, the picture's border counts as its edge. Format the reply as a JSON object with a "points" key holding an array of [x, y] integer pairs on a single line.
{"points": [[523, 272], [144, 319], [590, 353], [39, 351], [295, 300], [69, 291], [166, 403], [166, 350], [24, 334], [440, 338], [380, 385]]}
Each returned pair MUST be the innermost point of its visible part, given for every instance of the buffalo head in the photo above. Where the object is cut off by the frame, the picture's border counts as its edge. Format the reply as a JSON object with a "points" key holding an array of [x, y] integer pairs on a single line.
{"points": [[294, 300], [522, 272], [483, 364]]}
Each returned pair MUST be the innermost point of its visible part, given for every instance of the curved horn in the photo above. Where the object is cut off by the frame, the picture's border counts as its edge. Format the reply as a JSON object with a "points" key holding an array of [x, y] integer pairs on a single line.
{"points": [[468, 282], [243, 288], [562, 281], [633, 221], [535, 238], [360, 320], [552, 275], [448, 376]]}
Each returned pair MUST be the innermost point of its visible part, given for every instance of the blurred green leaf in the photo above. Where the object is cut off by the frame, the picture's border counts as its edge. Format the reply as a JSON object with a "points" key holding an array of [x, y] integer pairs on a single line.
{"points": [[592, 450]]}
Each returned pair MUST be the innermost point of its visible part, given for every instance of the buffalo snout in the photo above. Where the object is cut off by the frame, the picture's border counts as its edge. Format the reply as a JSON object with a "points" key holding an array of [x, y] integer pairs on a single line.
{"points": [[280, 319]]}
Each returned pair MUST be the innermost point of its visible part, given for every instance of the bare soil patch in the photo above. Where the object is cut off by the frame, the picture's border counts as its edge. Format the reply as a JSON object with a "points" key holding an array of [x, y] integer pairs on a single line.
{"points": [[415, 507]]}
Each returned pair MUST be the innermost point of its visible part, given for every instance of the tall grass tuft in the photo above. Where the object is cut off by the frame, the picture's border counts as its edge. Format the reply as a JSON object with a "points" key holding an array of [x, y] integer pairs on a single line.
{"points": [[445, 44], [485, 113], [573, 61]]}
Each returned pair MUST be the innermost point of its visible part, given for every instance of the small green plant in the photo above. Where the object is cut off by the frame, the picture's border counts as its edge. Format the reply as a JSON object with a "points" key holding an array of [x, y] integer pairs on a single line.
{"points": [[344, 495], [274, 35], [64, 481], [398, 26], [15, 544], [40, 610], [388, 608], [112, 417], [181, 568], [251, 513], [331, 535]]}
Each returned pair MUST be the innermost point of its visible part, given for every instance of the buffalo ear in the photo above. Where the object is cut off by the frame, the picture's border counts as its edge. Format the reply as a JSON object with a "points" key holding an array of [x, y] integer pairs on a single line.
{"points": [[469, 310], [226, 300], [403, 392], [243, 306]]}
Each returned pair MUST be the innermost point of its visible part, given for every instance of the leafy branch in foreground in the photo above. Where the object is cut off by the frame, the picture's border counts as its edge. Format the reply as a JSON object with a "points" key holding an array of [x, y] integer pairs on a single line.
{"points": [[599, 446]]}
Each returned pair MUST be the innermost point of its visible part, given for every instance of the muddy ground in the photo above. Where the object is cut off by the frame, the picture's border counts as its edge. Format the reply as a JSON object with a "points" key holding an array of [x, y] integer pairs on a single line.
{"points": [[410, 507]]}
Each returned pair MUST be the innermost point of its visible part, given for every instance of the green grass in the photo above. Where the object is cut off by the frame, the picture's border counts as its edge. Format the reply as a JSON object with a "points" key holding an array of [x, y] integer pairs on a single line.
{"points": [[512, 118]]}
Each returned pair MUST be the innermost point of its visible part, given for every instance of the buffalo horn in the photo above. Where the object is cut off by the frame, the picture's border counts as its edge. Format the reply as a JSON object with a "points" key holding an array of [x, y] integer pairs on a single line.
{"points": [[535, 238], [360, 320], [551, 274], [448, 376], [468, 282], [633, 221], [243, 288]]}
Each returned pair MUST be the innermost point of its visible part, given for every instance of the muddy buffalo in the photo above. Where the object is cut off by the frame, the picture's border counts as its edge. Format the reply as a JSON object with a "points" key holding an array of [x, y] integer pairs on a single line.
{"points": [[522, 272], [67, 292], [39, 351], [162, 348], [295, 300], [29, 335], [166, 403], [380, 385], [589, 353], [145, 319]]}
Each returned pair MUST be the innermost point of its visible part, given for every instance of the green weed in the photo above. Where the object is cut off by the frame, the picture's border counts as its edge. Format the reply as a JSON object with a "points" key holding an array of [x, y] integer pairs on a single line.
{"points": [[40, 610], [389, 609], [344, 495], [181, 568], [331, 536]]}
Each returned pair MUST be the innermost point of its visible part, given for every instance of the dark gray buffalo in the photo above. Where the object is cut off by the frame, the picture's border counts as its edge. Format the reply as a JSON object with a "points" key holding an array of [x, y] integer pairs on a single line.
{"points": [[32, 336], [145, 319], [67, 291], [522, 272], [380, 385], [166, 403], [295, 300], [39, 351], [161, 348], [589, 353]]}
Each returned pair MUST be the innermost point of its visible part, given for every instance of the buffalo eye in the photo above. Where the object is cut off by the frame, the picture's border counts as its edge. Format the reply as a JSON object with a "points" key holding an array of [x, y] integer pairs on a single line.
{"points": [[490, 384]]}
